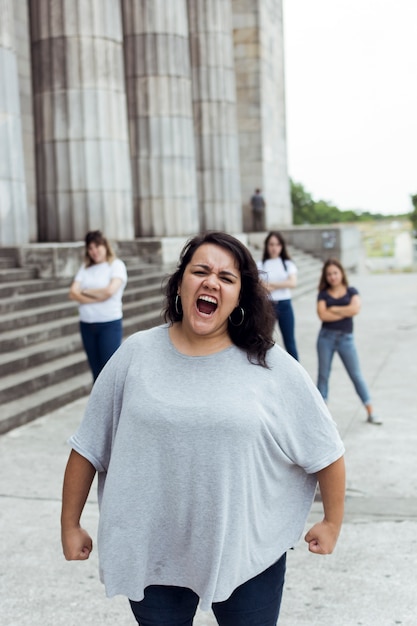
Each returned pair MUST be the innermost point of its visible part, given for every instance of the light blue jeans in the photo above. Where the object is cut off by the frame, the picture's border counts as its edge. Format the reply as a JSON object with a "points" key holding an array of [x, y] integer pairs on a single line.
{"points": [[329, 342]]}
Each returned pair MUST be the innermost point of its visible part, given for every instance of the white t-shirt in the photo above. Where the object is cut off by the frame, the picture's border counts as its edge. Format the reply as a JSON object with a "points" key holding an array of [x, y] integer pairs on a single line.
{"points": [[274, 271], [206, 464], [98, 276]]}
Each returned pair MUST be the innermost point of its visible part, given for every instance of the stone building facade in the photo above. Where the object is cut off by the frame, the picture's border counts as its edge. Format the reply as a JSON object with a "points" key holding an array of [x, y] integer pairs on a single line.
{"points": [[142, 118]]}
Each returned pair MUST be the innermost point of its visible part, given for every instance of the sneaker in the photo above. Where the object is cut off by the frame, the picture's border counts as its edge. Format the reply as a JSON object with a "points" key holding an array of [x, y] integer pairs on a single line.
{"points": [[373, 419]]}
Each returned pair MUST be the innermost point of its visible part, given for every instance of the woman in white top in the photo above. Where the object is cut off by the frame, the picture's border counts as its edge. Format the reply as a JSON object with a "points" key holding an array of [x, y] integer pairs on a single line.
{"points": [[279, 275], [98, 288]]}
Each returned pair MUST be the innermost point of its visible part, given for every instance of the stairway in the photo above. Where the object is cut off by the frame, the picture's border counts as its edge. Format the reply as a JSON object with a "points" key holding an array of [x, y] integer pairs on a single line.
{"points": [[42, 363]]}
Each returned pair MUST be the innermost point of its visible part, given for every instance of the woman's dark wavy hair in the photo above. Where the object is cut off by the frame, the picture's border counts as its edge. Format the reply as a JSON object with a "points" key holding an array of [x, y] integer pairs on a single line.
{"points": [[323, 283], [284, 252], [254, 335]]}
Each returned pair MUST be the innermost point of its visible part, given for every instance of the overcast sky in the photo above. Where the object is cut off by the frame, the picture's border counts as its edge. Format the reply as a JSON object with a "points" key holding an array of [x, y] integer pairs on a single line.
{"points": [[351, 97]]}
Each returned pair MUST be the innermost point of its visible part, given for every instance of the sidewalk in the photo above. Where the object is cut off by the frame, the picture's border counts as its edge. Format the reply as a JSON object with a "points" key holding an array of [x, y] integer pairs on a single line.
{"points": [[370, 580]]}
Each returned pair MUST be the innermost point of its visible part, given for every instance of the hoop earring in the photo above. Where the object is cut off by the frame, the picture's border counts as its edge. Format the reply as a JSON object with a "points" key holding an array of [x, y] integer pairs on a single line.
{"points": [[177, 302], [242, 312]]}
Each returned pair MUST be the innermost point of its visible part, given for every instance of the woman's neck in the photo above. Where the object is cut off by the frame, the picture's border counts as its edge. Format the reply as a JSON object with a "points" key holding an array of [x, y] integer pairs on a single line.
{"points": [[337, 290], [191, 344]]}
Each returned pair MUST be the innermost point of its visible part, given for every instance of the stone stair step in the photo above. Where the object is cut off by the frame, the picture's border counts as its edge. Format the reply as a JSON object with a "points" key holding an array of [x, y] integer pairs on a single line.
{"points": [[9, 321], [23, 336], [18, 288], [33, 405], [32, 379], [33, 301], [13, 288], [145, 320], [6, 263], [17, 273], [30, 356], [51, 297]]}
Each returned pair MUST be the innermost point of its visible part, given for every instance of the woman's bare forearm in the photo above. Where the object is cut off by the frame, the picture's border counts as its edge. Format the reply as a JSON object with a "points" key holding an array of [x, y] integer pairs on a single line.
{"points": [[79, 475], [332, 481], [322, 537]]}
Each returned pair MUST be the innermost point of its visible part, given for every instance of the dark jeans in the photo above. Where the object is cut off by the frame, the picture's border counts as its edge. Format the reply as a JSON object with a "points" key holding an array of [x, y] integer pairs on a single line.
{"points": [[286, 322], [255, 603], [100, 341]]}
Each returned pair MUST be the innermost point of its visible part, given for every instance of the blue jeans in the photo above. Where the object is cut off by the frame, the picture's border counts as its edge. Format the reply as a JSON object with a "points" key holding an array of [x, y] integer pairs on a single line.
{"points": [[286, 322], [100, 341], [255, 603], [329, 342]]}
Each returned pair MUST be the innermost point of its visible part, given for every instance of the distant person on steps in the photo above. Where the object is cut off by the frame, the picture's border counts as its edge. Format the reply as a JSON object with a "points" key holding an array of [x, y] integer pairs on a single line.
{"points": [[258, 211]]}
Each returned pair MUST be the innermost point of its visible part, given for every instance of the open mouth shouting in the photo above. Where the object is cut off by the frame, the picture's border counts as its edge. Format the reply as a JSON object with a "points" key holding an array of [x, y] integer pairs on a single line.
{"points": [[206, 305]]}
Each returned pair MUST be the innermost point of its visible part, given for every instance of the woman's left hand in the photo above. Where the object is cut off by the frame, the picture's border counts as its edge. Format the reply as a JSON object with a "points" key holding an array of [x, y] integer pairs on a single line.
{"points": [[322, 537]]}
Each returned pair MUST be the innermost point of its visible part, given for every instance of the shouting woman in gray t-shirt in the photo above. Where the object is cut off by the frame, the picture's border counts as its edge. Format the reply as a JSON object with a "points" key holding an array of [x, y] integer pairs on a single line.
{"points": [[208, 441]]}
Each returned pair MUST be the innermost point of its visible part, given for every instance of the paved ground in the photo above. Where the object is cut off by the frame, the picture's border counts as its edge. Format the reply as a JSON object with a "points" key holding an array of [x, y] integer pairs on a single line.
{"points": [[370, 580]]}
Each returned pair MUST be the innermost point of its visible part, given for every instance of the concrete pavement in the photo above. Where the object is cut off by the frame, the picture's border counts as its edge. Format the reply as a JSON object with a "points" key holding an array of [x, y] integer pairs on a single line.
{"points": [[370, 580]]}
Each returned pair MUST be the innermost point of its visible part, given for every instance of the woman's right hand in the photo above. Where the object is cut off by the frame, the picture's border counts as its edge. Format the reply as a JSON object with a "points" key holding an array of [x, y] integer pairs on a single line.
{"points": [[76, 544]]}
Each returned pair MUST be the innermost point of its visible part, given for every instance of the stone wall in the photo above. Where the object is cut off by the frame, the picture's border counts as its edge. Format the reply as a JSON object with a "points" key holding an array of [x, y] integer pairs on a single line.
{"points": [[323, 242]]}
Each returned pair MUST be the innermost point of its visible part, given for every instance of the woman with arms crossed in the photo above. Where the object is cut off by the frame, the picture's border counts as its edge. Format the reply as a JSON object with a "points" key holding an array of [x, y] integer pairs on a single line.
{"points": [[279, 275], [337, 304], [209, 442], [98, 288]]}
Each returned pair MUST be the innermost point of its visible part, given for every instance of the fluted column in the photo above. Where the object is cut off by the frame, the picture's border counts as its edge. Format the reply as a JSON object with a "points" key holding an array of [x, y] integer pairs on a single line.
{"points": [[160, 117], [82, 148], [214, 98], [24, 67], [14, 229], [259, 63]]}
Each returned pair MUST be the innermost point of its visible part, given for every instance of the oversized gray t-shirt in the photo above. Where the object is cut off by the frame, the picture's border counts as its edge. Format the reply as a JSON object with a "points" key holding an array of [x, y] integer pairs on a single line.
{"points": [[206, 464]]}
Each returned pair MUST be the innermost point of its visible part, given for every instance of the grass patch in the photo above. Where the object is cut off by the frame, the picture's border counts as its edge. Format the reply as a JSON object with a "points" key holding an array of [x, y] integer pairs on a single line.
{"points": [[379, 237]]}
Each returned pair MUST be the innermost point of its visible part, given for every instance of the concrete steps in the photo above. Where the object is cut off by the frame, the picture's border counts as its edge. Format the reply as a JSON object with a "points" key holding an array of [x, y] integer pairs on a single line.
{"points": [[27, 408], [42, 363], [309, 271]]}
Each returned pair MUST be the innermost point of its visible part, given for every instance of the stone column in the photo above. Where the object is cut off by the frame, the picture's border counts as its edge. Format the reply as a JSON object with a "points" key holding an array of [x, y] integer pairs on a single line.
{"points": [[214, 98], [82, 148], [13, 214], [259, 63], [23, 47], [158, 81]]}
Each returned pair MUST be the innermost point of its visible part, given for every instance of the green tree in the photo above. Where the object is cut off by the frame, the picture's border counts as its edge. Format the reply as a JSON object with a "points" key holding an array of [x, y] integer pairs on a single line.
{"points": [[326, 213], [302, 204], [308, 211], [413, 214]]}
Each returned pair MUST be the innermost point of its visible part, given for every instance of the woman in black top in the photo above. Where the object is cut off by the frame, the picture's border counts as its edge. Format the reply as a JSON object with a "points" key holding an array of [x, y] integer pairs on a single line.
{"points": [[337, 303]]}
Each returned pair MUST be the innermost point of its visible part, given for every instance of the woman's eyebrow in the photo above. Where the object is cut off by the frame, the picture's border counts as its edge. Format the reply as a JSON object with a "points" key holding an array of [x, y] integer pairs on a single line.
{"points": [[207, 267]]}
